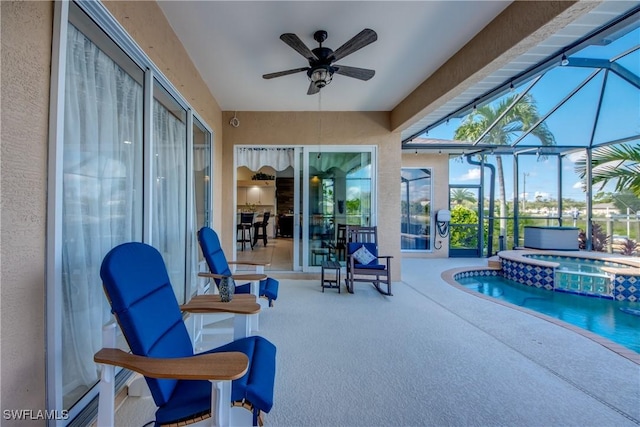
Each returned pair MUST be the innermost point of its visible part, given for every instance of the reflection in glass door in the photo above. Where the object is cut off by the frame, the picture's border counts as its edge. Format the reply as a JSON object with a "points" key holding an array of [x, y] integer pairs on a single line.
{"points": [[339, 190], [201, 199], [464, 228], [415, 208]]}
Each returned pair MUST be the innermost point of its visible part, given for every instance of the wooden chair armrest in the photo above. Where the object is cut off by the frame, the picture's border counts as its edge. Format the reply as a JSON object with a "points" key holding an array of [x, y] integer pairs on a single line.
{"points": [[255, 263], [249, 277], [215, 366], [240, 304]]}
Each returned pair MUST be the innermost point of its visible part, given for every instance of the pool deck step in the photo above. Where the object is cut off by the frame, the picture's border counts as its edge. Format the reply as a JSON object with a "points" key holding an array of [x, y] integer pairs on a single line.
{"points": [[494, 262]]}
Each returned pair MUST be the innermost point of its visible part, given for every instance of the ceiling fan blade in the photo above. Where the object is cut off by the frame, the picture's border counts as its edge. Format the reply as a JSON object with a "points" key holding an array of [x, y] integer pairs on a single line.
{"points": [[297, 44], [312, 89], [360, 40], [355, 72], [284, 73]]}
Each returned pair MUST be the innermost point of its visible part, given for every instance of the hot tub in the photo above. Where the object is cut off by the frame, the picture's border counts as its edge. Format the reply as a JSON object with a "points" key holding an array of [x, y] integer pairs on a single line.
{"points": [[587, 273]]}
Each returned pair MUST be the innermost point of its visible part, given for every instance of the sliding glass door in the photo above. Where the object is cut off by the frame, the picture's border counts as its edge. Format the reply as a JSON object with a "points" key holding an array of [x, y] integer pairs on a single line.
{"points": [[340, 187], [169, 186], [415, 208], [102, 197], [331, 187]]}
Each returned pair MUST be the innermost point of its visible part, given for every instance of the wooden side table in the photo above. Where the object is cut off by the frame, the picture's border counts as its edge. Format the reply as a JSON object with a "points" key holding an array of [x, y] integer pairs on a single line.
{"points": [[243, 306], [330, 283]]}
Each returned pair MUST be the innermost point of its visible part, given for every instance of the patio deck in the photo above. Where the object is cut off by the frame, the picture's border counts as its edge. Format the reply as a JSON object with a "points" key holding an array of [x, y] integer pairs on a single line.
{"points": [[430, 355]]}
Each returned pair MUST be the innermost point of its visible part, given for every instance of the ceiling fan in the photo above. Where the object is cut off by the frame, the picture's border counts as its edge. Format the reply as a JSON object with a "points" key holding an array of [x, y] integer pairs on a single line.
{"points": [[321, 59]]}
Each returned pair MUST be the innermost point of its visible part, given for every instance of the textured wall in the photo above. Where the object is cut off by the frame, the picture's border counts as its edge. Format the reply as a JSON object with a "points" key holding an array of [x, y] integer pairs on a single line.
{"points": [[338, 128], [26, 61], [26, 35]]}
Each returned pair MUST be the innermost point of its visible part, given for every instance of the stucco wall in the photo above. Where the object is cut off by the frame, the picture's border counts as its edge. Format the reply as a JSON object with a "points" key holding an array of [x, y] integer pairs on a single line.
{"points": [[26, 64], [338, 128], [439, 164]]}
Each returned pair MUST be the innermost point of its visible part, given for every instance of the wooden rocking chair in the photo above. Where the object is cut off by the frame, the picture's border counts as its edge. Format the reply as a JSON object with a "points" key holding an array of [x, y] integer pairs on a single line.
{"points": [[363, 262]]}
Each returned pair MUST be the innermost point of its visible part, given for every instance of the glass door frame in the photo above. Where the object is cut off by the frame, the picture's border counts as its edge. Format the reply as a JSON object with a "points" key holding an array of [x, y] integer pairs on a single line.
{"points": [[301, 194], [314, 150], [297, 161], [478, 250]]}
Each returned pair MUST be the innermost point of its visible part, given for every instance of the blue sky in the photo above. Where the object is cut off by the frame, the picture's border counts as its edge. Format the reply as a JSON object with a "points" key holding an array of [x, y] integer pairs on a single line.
{"points": [[541, 178], [580, 106]]}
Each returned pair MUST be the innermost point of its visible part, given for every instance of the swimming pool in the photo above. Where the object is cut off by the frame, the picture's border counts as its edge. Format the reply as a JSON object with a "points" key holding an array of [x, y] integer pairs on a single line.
{"points": [[598, 315], [585, 273]]}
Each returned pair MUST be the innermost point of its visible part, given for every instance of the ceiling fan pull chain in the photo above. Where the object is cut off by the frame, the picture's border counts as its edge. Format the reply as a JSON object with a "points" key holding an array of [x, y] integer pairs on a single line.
{"points": [[319, 124]]}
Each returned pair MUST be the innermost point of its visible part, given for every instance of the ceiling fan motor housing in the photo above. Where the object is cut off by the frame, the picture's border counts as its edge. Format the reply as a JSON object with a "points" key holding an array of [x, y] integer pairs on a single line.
{"points": [[321, 72]]}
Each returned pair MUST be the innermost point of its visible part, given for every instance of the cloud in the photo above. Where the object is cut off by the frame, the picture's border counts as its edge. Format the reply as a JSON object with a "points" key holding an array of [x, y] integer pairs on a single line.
{"points": [[471, 175], [353, 192], [578, 185], [575, 156]]}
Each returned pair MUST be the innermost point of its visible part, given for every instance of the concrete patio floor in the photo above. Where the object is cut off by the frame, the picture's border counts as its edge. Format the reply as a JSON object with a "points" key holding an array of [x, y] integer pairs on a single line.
{"points": [[440, 357]]}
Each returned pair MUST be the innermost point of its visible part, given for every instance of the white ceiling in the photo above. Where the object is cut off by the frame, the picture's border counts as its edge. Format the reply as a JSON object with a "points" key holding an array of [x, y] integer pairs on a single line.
{"points": [[233, 43]]}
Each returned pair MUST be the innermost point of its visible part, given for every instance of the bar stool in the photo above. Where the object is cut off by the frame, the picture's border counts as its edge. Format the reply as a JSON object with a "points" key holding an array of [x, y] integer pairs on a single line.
{"points": [[260, 229], [243, 230]]}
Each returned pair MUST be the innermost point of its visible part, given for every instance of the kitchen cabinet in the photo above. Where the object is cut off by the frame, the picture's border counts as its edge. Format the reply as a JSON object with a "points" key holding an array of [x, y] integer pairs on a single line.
{"points": [[260, 196]]}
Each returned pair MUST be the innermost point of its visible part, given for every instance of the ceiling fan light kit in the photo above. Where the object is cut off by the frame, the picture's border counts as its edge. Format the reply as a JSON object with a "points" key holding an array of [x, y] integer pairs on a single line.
{"points": [[320, 76], [320, 70]]}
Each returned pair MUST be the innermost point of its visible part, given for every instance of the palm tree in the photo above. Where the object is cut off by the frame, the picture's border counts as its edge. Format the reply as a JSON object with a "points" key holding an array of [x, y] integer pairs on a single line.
{"points": [[507, 122], [617, 163], [460, 195]]}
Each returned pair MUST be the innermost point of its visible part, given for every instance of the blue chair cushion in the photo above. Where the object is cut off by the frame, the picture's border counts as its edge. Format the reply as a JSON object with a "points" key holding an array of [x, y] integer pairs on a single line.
{"points": [[269, 288], [212, 251], [243, 289], [136, 282], [370, 266], [217, 262], [192, 398]]}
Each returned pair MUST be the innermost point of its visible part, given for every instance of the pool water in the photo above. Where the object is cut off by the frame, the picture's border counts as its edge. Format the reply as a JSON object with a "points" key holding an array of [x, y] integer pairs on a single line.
{"points": [[598, 315], [577, 264]]}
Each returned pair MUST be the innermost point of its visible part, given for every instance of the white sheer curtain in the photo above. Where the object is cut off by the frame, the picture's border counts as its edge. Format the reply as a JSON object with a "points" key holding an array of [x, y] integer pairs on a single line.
{"points": [[170, 193], [255, 158], [102, 189], [201, 202]]}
